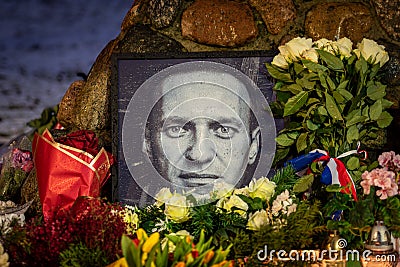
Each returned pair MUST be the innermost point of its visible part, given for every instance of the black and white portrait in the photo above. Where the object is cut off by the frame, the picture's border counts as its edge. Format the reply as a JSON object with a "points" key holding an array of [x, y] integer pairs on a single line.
{"points": [[189, 124]]}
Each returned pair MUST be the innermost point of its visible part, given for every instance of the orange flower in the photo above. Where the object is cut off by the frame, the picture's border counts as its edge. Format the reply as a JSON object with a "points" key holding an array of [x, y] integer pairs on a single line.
{"points": [[208, 256], [180, 264]]}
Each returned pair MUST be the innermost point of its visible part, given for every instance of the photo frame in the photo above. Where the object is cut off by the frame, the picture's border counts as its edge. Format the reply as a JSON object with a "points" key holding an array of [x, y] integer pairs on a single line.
{"points": [[138, 92]]}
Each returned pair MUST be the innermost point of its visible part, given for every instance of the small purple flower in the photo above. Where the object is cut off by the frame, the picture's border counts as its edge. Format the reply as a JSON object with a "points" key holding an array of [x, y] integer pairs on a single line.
{"points": [[22, 159]]}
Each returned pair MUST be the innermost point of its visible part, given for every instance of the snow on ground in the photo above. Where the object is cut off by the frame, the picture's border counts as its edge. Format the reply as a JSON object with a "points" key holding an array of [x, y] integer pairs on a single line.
{"points": [[43, 45]]}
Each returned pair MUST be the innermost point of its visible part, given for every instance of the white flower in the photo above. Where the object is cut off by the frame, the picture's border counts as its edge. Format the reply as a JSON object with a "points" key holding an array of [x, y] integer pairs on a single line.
{"points": [[262, 188], [292, 208], [258, 220], [345, 46], [276, 207], [171, 246], [176, 208], [131, 219], [297, 46], [372, 52], [326, 45], [311, 54], [280, 61], [3, 257]]}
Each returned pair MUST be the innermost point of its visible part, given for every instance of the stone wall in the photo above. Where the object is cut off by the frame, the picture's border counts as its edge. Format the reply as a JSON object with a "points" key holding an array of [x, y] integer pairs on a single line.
{"points": [[224, 25]]}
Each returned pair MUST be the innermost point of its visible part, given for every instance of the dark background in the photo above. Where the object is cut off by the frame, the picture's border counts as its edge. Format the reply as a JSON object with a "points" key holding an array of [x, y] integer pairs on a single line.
{"points": [[44, 44]]}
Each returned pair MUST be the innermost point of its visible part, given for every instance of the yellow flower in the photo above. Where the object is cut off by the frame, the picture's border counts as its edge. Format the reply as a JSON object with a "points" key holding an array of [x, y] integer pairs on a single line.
{"points": [[372, 52], [258, 220], [177, 208], [119, 263], [162, 196], [233, 201], [150, 242], [262, 188], [141, 234]]}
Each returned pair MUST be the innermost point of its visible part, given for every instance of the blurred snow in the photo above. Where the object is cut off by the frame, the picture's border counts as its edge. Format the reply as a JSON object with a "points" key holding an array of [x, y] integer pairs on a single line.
{"points": [[43, 45]]}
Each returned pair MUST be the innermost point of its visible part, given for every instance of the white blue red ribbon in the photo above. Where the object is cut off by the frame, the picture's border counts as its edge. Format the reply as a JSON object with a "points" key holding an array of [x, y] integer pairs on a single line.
{"points": [[334, 172]]}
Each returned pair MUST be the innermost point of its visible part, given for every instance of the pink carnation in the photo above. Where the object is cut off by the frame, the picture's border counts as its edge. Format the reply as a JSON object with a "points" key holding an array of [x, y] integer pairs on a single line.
{"points": [[385, 159], [383, 179], [396, 163]]}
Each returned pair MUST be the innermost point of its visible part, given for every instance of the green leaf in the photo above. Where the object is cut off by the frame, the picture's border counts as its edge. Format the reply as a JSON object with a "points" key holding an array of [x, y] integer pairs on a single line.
{"points": [[331, 84], [376, 92], [346, 94], [353, 163], [322, 79], [280, 154], [311, 126], [295, 103], [278, 74], [343, 85], [386, 103], [331, 61], [314, 67], [334, 188], [301, 142], [303, 183], [293, 134], [384, 119], [361, 66], [375, 110], [294, 88], [284, 140], [332, 108], [322, 111], [338, 97], [306, 83], [352, 133], [298, 68]]}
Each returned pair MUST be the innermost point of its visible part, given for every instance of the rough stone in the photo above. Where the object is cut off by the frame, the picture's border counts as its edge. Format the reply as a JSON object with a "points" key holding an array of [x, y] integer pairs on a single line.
{"points": [[269, 10], [219, 22], [337, 20], [388, 12], [66, 108], [163, 12], [142, 39]]}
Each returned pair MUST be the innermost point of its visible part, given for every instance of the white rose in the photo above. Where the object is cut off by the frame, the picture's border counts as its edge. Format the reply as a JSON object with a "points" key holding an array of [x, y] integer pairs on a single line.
{"points": [[311, 54], [297, 46], [372, 52], [177, 209], [345, 46], [258, 220], [262, 188], [162, 196], [280, 61]]}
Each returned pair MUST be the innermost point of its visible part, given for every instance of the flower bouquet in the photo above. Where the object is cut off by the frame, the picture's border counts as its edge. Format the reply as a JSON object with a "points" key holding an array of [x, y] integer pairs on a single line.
{"points": [[331, 94], [69, 168]]}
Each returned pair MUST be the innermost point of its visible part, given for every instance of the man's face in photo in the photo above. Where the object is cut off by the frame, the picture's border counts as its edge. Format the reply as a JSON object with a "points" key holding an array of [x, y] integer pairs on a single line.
{"points": [[203, 136]]}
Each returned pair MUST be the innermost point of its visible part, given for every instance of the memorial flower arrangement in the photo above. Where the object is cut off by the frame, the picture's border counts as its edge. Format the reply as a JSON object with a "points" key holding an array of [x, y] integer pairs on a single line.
{"points": [[333, 102], [331, 93]]}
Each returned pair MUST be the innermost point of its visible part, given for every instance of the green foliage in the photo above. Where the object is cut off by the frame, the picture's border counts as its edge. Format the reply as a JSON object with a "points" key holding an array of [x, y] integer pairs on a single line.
{"points": [[80, 255], [47, 120], [331, 104]]}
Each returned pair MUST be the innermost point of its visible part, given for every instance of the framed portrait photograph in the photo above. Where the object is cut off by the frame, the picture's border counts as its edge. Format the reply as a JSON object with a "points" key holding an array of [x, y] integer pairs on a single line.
{"points": [[190, 123]]}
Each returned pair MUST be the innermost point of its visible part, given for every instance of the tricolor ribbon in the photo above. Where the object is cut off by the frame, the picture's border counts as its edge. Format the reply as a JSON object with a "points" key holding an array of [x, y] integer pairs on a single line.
{"points": [[334, 172]]}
